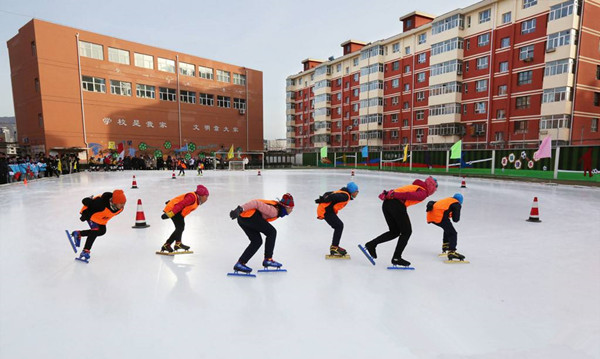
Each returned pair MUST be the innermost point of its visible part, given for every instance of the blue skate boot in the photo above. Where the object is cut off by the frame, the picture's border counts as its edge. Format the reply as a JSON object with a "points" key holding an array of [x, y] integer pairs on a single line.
{"points": [[84, 256], [76, 235], [240, 267], [269, 262]]}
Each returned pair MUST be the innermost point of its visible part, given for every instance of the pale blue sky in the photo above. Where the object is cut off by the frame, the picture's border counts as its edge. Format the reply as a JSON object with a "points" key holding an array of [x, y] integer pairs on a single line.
{"points": [[267, 35]]}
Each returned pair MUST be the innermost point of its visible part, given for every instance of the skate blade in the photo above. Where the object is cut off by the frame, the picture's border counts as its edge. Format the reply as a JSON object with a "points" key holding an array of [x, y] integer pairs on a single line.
{"points": [[165, 253], [337, 256], [443, 255], [456, 261], [71, 241], [401, 268], [267, 270], [241, 274], [182, 252], [82, 260], [364, 250]]}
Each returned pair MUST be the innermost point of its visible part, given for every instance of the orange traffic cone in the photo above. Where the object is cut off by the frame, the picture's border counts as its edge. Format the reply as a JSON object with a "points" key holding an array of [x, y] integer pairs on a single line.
{"points": [[534, 215], [134, 183], [352, 174], [25, 181], [463, 184], [259, 172], [140, 219], [173, 177]]}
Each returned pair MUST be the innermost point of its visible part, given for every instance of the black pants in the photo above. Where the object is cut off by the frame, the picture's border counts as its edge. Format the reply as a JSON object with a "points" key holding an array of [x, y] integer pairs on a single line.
{"points": [[179, 223], [92, 234], [253, 226], [338, 226], [398, 222], [450, 235]]}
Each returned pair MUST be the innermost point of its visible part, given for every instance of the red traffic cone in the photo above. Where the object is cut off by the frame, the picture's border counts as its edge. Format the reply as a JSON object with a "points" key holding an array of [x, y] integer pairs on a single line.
{"points": [[140, 219], [352, 174], [534, 215], [258, 172], [173, 177], [463, 184], [25, 181], [134, 183]]}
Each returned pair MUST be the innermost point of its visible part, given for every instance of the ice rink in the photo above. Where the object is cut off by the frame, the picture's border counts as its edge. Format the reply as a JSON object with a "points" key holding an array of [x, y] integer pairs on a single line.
{"points": [[532, 290]]}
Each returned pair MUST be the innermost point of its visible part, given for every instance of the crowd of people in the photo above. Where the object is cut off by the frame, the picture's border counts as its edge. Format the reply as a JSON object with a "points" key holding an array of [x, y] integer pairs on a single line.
{"points": [[110, 163], [16, 168]]}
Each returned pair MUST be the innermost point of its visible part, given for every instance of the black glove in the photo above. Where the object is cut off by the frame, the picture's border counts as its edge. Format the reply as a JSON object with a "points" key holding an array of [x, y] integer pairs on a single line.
{"points": [[430, 206], [236, 212], [319, 200], [164, 216]]}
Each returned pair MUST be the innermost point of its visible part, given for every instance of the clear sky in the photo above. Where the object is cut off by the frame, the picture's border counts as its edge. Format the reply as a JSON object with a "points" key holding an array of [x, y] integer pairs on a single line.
{"points": [[272, 36]]}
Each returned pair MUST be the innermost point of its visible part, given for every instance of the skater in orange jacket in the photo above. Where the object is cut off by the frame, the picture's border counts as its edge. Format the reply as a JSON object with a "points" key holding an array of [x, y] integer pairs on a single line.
{"points": [[97, 211], [439, 213], [330, 204], [395, 203], [176, 209], [254, 218]]}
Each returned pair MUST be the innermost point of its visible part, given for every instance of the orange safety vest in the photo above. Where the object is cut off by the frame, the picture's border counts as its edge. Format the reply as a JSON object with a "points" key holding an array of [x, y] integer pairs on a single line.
{"points": [[336, 207], [409, 188], [186, 210], [101, 217], [250, 212], [437, 213]]}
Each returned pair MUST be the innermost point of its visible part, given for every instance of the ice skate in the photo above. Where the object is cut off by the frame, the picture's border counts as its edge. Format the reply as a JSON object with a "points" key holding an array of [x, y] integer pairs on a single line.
{"points": [[452, 255], [241, 270], [367, 253], [76, 235], [445, 248], [399, 263], [269, 262], [84, 256], [166, 250], [336, 252]]}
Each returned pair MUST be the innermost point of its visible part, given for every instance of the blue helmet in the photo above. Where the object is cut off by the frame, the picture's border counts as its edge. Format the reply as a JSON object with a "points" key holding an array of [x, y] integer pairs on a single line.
{"points": [[458, 197], [352, 187]]}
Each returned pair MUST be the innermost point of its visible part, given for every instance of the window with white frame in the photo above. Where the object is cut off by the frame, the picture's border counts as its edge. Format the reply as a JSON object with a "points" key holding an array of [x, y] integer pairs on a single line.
{"points": [[524, 77], [445, 88], [118, 56], [419, 134], [187, 69], [394, 134], [404, 122], [395, 100], [483, 40], [355, 91], [522, 102], [93, 84], [421, 77], [239, 79], [166, 94], [444, 109], [395, 65], [422, 38], [354, 62], [559, 67], [206, 99], [506, 17], [422, 58], [481, 85], [505, 42], [420, 96], [419, 114], [529, 3], [338, 68], [407, 50], [503, 66], [520, 126], [555, 121], [485, 16], [223, 101], [145, 91], [239, 103], [395, 83], [500, 114], [502, 89], [562, 10], [557, 94], [223, 76], [480, 107], [528, 26], [448, 45], [396, 47], [93, 51], [526, 53], [482, 63], [594, 125], [448, 23], [406, 69], [354, 107], [561, 38], [165, 65], [145, 61], [406, 87], [121, 88], [446, 67], [187, 96], [205, 72]]}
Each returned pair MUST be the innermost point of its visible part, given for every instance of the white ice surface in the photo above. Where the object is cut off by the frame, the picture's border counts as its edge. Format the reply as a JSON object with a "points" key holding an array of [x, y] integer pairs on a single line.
{"points": [[532, 290]]}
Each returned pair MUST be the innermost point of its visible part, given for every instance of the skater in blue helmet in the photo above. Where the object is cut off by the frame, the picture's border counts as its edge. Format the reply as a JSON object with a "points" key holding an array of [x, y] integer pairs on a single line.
{"points": [[330, 203], [439, 213]]}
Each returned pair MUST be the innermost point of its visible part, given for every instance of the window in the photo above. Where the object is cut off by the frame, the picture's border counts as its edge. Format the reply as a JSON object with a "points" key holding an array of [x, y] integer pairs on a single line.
{"points": [[485, 16], [187, 96], [529, 3], [395, 83], [355, 77], [446, 67], [441, 89], [504, 66], [40, 120], [120, 88], [406, 69], [467, 66], [36, 84], [526, 53], [396, 47], [481, 85], [118, 56], [239, 103], [447, 24], [240, 79], [93, 51], [407, 50], [506, 17], [483, 40], [524, 78], [555, 121], [166, 94], [406, 87], [354, 63], [223, 76], [561, 10], [33, 49], [93, 84], [468, 44], [448, 45], [596, 98], [520, 126], [560, 39], [422, 38], [522, 102], [597, 72], [355, 107], [468, 21], [405, 105], [206, 73], [421, 77], [505, 42], [557, 94], [354, 93], [445, 109], [482, 63], [594, 125], [422, 58], [466, 88], [464, 109], [223, 101], [419, 134], [500, 114], [502, 90], [528, 26], [395, 65], [206, 99], [145, 61], [187, 69], [165, 65], [499, 136], [145, 91], [338, 68], [421, 96], [480, 107]]}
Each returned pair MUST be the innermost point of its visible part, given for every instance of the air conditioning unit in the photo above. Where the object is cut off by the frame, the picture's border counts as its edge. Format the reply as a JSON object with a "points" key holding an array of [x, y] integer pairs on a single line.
{"points": [[528, 59], [242, 111]]}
